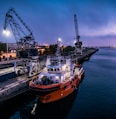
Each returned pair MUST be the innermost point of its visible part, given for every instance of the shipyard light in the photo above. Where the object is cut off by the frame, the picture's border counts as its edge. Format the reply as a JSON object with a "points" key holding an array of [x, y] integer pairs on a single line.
{"points": [[6, 32], [57, 77], [59, 39], [59, 42], [75, 41]]}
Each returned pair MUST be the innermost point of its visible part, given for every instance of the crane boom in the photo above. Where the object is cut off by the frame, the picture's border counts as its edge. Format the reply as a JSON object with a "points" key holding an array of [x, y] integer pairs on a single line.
{"points": [[76, 28]]}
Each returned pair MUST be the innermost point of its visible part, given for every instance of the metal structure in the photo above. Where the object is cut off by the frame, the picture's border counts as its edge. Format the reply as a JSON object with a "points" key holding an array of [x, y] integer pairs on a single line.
{"points": [[78, 44], [22, 33], [27, 53], [58, 52]]}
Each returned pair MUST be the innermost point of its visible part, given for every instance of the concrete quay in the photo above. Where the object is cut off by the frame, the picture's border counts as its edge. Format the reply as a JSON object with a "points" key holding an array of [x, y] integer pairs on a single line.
{"points": [[86, 54], [13, 87]]}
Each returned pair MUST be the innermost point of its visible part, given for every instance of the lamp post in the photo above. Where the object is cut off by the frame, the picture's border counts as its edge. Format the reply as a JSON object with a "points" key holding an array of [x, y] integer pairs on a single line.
{"points": [[6, 33]]}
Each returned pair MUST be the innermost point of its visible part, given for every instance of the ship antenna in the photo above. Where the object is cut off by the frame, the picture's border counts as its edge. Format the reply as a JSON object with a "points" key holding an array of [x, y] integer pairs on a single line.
{"points": [[58, 53]]}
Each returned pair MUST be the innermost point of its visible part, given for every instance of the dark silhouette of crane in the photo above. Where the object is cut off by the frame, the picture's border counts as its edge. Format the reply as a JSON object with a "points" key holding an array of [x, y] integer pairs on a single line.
{"points": [[78, 44], [22, 33], [27, 52]]}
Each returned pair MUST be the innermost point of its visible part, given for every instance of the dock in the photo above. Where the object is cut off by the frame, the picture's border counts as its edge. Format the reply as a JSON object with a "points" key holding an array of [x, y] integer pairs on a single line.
{"points": [[20, 84], [87, 52], [13, 87]]}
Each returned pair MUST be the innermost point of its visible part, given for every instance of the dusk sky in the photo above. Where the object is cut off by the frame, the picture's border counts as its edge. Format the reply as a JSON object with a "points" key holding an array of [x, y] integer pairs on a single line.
{"points": [[51, 19]]}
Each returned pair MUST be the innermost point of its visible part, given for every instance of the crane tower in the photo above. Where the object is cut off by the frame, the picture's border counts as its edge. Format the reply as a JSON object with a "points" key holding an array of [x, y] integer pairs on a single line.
{"points": [[78, 44]]}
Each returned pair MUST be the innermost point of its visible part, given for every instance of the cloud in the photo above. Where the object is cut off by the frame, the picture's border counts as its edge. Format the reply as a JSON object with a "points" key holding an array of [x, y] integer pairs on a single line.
{"points": [[102, 30], [50, 19]]}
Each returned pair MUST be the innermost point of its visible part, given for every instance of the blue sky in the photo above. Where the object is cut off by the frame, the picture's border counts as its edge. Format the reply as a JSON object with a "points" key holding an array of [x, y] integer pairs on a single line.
{"points": [[51, 19]]}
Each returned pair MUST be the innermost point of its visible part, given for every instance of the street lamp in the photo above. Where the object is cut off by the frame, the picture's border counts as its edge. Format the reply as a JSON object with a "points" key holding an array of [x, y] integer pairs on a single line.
{"points": [[75, 41], [59, 39], [6, 33]]}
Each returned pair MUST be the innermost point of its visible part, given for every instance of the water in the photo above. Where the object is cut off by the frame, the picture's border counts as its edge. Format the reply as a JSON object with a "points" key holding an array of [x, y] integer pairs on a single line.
{"points": [[95, 98], [97, 95]]}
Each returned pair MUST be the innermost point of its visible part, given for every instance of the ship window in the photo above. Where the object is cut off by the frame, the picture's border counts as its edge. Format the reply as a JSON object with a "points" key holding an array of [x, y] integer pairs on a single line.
{"points": [[63, 61]]}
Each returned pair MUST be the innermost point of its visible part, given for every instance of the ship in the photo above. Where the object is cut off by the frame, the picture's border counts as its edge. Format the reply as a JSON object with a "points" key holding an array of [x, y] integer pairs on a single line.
{"points": [[59, 78]]}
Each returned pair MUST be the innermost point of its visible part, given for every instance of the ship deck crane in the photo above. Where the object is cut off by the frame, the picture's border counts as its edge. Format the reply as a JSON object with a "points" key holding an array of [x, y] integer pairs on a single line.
{"points": [[78, 44], [26, 50]]}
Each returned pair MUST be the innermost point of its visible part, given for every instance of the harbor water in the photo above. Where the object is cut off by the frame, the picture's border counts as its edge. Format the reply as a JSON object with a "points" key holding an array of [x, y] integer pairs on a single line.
{"points": [[95, 98]]}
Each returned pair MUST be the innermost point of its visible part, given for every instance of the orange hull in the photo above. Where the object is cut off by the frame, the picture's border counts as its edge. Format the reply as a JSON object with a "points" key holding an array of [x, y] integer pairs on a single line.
{"points": [[65, 89]]}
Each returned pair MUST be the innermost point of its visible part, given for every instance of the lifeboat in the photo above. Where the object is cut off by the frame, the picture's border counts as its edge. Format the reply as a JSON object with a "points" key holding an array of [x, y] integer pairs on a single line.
{"points": [[58, 79]]}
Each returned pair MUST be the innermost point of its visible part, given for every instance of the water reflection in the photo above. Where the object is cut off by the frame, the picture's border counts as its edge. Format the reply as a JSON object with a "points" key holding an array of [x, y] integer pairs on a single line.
{"points": [[56, 110], [11, 108], [22, 107]]}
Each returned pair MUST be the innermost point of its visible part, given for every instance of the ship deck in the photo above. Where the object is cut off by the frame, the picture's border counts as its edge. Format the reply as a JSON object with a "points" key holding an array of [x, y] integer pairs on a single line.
{"points": [[6, 70], [10, 82], [12, 87]]}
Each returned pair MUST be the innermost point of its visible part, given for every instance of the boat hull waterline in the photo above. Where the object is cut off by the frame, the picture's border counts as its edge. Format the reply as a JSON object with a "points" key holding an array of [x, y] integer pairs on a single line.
{"points": [[51, 93]]}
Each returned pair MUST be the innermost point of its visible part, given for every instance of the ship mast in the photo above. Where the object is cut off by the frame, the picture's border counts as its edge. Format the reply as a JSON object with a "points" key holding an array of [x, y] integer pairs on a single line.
{"points": [[78, 44], [58, 53]]}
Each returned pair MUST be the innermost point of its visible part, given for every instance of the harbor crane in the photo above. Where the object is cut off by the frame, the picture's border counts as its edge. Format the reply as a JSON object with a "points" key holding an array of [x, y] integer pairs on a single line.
{"points": [[23, 35], [78, 44], [26, 45]]}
